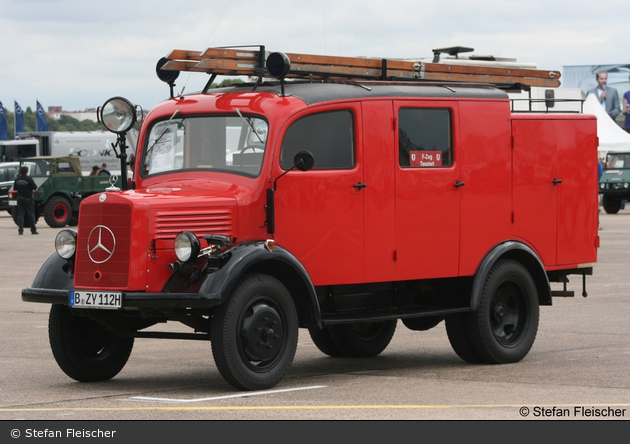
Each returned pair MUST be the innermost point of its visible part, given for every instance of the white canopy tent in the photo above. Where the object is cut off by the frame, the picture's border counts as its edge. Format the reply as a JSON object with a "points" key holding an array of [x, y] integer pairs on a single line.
{"points": [[612, 138]]}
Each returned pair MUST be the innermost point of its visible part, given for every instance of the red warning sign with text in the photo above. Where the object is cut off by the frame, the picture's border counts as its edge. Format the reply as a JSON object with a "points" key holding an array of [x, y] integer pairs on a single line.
{"points": [[425, 158]]}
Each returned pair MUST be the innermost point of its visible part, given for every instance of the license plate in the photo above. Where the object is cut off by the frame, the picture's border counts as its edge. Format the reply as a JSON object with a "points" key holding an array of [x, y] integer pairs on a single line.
{"points": [[13, 203], [95, 299]]}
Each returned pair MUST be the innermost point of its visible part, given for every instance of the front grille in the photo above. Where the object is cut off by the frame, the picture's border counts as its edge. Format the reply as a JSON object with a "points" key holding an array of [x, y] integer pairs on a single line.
{"points": [[210, 221], [96, 269]]}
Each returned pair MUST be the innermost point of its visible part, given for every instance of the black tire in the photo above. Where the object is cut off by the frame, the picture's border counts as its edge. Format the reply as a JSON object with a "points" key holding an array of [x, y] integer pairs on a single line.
{"points": [[324, 342], [504, 328], [363, 340], [254, 333], [57, 212], [460, 339], [611, 204], [422, 324], [83, 350], [27, 223]]}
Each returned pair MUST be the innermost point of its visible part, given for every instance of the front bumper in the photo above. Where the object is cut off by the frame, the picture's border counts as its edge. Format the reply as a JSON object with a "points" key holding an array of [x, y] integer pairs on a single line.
{"points": [[130, 300]]}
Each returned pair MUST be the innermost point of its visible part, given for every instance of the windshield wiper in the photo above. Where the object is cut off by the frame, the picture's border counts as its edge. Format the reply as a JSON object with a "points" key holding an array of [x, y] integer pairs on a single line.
{"points": [[166, 130], [249, 122]]}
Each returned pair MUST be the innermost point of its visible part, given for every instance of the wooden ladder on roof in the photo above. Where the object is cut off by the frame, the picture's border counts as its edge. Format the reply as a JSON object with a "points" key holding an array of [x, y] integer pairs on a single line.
{"points": [[249, 61]]}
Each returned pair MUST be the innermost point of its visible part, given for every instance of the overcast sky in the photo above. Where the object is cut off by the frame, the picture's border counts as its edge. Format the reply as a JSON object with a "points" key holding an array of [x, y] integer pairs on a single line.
{"points": [[78, 53]]}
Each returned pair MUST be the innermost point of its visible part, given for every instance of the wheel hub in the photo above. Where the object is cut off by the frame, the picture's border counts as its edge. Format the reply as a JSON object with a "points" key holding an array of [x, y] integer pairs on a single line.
{"points": [[262, 333]]}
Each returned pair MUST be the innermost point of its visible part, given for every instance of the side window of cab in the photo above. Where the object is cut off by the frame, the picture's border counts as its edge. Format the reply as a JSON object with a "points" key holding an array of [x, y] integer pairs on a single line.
{"points": [[329, 136], [425, 137]]}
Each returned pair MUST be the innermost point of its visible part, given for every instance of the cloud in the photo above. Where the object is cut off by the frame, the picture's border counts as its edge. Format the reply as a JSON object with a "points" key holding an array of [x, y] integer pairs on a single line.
{"points": [[76, 54]]}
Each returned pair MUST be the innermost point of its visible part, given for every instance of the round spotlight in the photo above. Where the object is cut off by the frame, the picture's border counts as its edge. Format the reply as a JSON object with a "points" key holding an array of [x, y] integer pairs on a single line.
{"points": [[118, 115]]}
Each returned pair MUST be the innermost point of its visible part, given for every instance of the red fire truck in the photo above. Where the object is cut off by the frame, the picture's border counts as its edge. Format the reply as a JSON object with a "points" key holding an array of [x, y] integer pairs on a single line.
{"points": [[338, 195]]}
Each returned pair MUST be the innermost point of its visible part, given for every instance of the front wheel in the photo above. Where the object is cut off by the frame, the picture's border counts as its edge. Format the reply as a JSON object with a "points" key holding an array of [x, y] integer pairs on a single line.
{"points": [[254, 333], [83, 350]]}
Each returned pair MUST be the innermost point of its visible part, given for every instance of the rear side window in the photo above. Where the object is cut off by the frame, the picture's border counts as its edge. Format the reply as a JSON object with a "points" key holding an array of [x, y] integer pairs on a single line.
{"points": [[424, 137], [329, 136]]}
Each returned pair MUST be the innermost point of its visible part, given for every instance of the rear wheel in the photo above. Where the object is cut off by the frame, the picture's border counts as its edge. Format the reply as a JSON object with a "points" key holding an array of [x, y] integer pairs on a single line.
{"points": [[254, 333], [460, 339], [362, 340], [324, 342], [84, 350], [27, 223], [57, 212], [504, 327]]}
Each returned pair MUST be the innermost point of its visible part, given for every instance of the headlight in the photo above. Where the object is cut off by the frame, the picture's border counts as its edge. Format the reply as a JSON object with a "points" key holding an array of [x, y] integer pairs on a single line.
{"points": [[66, 244], [602, 186], [186, 246], [626, 185]]}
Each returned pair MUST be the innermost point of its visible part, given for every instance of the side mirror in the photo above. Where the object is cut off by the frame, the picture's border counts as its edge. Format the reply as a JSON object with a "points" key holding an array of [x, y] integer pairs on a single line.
{"points": [[304, 160]]}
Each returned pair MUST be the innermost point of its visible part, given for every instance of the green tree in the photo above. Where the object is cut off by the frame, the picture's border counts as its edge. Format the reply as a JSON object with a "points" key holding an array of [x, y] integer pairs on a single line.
{"points": [[64, 123]]}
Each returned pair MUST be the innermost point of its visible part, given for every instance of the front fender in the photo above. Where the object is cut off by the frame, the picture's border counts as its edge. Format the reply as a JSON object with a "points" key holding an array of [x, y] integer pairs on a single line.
{"points": [[51, 284], [251, 257], [51, 274]]}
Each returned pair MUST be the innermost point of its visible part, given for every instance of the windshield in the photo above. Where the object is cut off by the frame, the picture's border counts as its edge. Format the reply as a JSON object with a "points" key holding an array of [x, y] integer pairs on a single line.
{"points": [[231, 144], [618, 161], [38, 167]]}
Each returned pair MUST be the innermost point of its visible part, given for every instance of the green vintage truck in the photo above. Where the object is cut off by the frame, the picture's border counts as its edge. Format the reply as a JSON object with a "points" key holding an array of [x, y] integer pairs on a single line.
{"points": [[614, 185], [61, 186]]}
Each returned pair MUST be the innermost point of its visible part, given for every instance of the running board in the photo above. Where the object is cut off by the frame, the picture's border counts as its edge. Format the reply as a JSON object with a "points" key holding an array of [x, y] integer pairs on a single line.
{"points": [[171, 335], [380, 316]]}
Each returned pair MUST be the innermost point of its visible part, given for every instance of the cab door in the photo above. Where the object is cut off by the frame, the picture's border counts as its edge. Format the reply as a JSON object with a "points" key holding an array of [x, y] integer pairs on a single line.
{"points": [[319, 213], [427, 214]]}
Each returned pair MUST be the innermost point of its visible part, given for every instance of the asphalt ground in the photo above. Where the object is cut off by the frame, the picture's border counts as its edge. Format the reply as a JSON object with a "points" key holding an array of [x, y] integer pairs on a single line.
{"points": [[578, 368]]}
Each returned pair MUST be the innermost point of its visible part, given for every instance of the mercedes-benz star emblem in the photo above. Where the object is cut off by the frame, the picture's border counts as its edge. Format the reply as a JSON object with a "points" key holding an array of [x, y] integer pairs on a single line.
{"points": [[101, 244]]}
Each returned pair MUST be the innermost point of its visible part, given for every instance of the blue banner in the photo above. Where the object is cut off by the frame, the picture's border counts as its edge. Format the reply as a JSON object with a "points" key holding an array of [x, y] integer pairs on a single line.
{"points": [[19, 119], [42, 123], [3, 124]]}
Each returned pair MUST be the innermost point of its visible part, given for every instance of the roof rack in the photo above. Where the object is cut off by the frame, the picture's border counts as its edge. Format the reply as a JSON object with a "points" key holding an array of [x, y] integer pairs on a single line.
{"points": [[252, 61]]}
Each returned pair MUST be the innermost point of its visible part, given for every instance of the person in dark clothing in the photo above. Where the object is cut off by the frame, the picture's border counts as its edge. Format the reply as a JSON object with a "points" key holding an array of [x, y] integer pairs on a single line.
{"points": [[25, 186], [104, 171]]}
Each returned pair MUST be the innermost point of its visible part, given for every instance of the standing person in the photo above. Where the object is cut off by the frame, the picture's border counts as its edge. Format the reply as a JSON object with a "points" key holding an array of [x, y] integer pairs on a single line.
{"points": [[95, 170], [626, 110], [25, 186], [607, 96], [104, 171]]}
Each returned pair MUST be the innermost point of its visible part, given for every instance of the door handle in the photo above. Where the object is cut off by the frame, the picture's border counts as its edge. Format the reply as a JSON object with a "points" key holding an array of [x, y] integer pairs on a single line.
{"points": [[459, 184], [556, 181], [359, 185]]}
